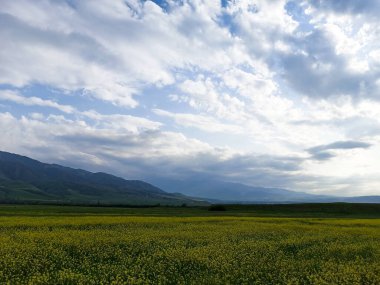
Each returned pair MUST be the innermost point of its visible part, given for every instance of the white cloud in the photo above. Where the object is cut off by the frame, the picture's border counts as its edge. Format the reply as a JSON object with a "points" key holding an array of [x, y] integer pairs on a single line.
{"points": [[143, 154], [109, 50], [351, 35], [122, 122], [202, 122], [14, 96], [268, 79], [60, 133]]}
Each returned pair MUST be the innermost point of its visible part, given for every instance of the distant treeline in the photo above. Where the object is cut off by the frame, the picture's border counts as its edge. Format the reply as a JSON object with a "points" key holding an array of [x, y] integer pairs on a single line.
{"points": [[363, 210], [308, 209]]}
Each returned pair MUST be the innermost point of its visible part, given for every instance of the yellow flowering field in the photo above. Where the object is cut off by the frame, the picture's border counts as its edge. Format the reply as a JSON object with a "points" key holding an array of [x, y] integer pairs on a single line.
{"points": [[211, 249]]}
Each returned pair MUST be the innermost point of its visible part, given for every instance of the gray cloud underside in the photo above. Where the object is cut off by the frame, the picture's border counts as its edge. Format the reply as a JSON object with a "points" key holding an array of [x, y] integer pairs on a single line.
{"points": [[365, 7], [321, 152]]}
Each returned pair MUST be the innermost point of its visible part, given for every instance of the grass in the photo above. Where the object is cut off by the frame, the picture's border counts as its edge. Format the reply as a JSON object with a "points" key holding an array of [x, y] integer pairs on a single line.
{"points": [[174, 245]]}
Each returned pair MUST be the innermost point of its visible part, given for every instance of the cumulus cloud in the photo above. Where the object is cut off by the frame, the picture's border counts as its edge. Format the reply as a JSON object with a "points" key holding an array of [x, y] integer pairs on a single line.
{"points": [[236, 91], [109, 51], [334, 58]]}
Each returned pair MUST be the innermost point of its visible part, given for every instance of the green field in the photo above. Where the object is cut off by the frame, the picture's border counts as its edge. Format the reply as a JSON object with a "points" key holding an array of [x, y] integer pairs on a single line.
{"points": [[242, 245]]}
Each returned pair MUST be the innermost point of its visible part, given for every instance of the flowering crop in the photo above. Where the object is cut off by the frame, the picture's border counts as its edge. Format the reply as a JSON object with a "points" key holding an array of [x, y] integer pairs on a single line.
{"points": [[112, 249]]}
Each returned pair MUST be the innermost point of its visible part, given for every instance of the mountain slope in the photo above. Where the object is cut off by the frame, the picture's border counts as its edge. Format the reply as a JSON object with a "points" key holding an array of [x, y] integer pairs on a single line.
{"points": [[26, 179]]}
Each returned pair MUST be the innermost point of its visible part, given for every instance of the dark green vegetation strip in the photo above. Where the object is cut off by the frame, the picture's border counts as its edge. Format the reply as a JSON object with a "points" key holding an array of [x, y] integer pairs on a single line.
{"points": [[120, 246], [327, 210]]}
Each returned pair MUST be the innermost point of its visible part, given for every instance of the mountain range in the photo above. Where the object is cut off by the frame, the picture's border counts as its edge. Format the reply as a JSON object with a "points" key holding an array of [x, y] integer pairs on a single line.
{"points": [[229, 192], [23, 179]]}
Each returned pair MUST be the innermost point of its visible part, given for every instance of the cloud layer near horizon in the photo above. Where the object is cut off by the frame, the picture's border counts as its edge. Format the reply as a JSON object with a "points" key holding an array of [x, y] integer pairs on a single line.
{"points": [[268, 93]]}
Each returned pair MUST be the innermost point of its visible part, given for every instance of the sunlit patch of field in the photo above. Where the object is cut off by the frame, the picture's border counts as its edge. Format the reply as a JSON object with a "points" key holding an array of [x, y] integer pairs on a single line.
{"points": [[123, 249]]}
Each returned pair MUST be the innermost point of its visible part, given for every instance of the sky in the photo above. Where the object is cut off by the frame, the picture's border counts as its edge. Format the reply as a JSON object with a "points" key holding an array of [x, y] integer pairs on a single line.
{"points": [[267, 93]]}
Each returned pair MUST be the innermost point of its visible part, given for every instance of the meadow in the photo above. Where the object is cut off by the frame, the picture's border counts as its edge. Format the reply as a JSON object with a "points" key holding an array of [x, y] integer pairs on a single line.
{"points": [[83, 245]]}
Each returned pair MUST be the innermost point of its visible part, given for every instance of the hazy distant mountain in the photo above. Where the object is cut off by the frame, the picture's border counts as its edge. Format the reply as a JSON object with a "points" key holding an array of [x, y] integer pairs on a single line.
{"points": [[25, 179], [214, 190], [362, 199]]}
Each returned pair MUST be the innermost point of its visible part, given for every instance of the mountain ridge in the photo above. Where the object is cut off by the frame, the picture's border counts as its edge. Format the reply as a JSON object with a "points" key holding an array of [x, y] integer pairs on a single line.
{"points": [[26, 179]]}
